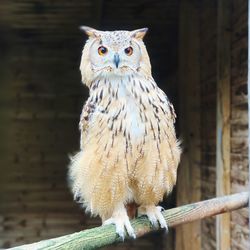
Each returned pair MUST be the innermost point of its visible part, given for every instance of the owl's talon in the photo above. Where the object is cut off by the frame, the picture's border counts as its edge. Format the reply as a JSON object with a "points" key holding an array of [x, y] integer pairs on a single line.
{"points": [[160, 208], [154, 215], [121, 223], [130, 229]]}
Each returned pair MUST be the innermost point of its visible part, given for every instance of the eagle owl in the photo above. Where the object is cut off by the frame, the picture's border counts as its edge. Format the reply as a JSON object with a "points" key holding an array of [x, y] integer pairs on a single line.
{"points": [[129, 151]]}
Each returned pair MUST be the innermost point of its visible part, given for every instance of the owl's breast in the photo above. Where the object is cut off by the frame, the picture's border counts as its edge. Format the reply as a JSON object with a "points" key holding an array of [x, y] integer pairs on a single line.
{"points": [[132, 108], [131, 113], [133, 121], [120, 111]]}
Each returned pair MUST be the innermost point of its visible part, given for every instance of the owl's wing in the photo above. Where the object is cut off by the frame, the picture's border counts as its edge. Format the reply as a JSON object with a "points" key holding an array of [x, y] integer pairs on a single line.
{"points": [[172, 111], [87, 112], [166, 105]]}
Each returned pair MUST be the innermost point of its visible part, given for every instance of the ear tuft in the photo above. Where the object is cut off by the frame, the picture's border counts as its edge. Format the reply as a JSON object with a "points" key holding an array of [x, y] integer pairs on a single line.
{"points": [[91, 32], [139, 33]]}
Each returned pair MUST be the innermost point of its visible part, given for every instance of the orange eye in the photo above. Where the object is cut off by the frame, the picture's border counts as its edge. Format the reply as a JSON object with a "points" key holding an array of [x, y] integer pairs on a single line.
{"points": [[102, 50], [129, 51]]}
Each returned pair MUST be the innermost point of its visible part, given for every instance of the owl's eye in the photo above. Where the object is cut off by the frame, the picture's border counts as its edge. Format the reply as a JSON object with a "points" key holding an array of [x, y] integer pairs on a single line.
{"points": [[129, 51], [102, 50]]}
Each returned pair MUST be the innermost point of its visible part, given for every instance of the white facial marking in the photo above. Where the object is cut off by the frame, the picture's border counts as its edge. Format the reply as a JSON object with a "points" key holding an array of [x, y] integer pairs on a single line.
{"points": [[115, 44]]}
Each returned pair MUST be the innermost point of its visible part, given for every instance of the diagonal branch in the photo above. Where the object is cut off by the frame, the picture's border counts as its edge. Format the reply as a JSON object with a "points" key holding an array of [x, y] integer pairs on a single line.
{"points": [[102, 236]]}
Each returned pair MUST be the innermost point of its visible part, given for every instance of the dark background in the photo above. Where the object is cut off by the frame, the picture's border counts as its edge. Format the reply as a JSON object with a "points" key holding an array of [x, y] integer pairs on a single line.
{"points": [[41, 97]]}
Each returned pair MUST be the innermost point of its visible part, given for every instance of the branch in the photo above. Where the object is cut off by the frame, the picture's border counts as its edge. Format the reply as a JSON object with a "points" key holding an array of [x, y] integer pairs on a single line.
{"points": [[105, 235]]}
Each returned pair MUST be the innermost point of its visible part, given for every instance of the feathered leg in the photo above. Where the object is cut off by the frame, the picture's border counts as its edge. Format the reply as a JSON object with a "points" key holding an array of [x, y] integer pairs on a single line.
{"points": [[121, 220], [154, 215], [102, 188]]}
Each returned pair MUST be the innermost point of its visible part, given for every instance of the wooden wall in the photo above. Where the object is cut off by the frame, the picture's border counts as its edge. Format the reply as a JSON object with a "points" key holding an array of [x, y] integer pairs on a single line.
{"points": [[41, 97], [189, 175], [239, 112], [209, 54], [240, 234], [208, 66]]}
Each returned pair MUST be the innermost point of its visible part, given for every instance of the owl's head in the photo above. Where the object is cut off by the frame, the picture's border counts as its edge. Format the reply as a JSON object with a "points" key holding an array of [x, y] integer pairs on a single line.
{"points": [[114, 53]]}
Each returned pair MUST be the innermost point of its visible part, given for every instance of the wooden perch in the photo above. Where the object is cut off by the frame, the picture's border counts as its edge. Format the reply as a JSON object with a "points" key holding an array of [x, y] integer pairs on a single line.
{"points": [[105, 235]]}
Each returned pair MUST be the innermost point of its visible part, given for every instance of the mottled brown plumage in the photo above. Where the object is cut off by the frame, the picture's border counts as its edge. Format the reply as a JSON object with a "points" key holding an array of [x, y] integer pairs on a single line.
{"points": [[129, 151]]}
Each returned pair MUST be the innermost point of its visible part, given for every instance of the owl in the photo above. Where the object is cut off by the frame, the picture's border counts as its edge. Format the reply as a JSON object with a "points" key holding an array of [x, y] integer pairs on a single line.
{"points": [[129, 152]]}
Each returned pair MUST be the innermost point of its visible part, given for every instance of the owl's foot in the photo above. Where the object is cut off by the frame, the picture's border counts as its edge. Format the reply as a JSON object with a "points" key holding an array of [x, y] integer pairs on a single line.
{"points": [[154, 215], [121, 221]]}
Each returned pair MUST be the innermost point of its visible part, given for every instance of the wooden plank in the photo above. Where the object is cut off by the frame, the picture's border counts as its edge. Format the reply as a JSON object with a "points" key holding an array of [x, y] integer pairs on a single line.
{"points": [[189, 236], [223, 119], [96, 238]]}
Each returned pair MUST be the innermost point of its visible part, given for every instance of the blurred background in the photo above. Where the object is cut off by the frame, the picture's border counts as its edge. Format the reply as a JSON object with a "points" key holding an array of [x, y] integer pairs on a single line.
{"points": [[41, 97]]}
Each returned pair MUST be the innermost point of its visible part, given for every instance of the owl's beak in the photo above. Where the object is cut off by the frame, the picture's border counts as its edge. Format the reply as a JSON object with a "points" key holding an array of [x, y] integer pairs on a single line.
{"points": [[116, 60]]}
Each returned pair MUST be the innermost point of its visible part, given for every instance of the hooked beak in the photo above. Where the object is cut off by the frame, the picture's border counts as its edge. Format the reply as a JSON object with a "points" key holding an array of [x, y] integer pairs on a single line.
{"points": [[116, 60]]}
